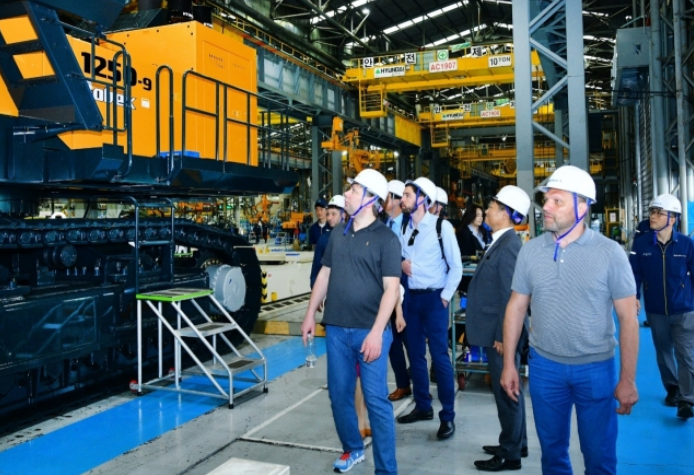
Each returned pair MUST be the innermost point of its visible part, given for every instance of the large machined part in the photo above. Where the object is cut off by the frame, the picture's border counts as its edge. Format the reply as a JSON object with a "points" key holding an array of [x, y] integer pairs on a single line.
{"points": [[67, 307]]}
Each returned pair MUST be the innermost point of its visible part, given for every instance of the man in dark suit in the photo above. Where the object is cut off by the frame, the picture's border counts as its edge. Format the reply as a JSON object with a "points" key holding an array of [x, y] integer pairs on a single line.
{"points": [[488, 293]]}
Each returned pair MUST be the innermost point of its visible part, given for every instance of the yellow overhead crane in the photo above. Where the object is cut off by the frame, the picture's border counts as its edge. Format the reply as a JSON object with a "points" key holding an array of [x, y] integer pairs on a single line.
{"points": [[497, 152], [543, 169], [433, 69], [478, 114]]}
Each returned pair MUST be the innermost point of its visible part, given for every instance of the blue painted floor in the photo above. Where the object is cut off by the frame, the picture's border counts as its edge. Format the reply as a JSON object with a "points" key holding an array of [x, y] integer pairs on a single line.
{"points": [[86, 444], [653, 441]]}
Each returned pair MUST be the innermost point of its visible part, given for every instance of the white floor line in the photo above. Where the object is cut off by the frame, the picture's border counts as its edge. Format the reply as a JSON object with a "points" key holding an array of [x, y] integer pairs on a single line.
{"points": [[280, 414], [297, 445], [367, 441]]}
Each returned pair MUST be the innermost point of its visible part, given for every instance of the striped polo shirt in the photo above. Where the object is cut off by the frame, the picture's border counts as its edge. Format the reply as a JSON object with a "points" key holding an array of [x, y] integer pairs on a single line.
{"points": [[572, 298]]}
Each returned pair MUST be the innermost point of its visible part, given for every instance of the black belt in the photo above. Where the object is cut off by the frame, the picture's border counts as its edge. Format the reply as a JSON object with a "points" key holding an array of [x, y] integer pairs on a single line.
{"points": [[424, 291]]}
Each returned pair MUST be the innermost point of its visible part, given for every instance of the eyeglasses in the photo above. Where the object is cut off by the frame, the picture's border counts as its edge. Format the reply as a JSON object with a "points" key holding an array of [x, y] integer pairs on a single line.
{"points": [[414, 235], [656, 212]]}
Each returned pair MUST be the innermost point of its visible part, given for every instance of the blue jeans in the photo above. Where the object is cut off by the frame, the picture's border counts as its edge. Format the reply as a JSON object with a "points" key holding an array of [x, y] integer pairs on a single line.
{"points": [[554, 389], [427, 319], [343, 348]]}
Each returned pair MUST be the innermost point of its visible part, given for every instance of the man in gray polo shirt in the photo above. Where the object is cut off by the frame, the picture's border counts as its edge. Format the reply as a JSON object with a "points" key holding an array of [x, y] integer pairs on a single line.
{"points": [[361, 277], [575, 278]]}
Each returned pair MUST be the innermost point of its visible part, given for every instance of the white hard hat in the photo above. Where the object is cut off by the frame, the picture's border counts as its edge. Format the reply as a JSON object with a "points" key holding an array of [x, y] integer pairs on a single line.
{"points": [[337, 201], [572, 179], [396, 187], [666, 202], [425, 186], [373, 181], [515, 198], [441, 196]]}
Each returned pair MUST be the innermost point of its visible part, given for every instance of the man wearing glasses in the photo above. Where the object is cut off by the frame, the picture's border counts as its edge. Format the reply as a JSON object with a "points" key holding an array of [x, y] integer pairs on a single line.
{"points": [[665, 267], [434, 271]]}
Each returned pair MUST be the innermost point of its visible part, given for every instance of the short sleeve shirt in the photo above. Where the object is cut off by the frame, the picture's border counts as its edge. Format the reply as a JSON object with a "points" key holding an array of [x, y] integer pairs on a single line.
{"points": [[358, 263], [572, 298]]}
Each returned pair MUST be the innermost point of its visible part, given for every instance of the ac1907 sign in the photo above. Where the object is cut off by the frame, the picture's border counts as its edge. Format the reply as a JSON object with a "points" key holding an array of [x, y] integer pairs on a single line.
{"points": [[491, 113], [443, 66]]}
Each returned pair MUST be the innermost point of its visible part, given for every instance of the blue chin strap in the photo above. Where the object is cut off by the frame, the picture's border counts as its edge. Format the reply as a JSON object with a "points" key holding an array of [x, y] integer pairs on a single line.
{"points": [[656, 231], [416, 205], [361, 206], [515, 216], [578, 220]]}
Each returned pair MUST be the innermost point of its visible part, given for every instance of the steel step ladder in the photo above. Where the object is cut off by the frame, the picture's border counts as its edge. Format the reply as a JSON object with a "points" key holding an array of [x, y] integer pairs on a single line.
{"points": [[222, 370]]}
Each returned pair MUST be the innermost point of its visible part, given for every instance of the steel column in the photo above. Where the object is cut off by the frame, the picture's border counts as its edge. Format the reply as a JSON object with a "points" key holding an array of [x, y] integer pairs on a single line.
{"points": [[578, 114], [679, 96], [525, 177], [659, 164]]}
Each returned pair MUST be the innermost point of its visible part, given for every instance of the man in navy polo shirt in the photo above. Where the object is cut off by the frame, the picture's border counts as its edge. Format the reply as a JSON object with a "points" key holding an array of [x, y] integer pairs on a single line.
{"points": [[361, 278]]}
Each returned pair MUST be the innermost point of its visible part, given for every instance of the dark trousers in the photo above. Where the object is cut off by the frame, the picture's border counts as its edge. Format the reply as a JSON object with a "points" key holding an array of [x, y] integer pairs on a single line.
{"points": [[511, 414], [673, 339], [427, 321], [397, 358]]}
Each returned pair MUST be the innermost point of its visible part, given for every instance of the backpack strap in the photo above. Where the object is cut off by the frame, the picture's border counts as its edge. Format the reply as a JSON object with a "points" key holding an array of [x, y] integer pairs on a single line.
{"points": [[438, 235]]}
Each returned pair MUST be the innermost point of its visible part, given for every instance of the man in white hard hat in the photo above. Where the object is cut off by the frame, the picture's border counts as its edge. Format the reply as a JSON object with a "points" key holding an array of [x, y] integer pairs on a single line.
{"points": [[361, 278], [393, 210], [484, 321], [576, 278], [440, 203], [334, 216], [665, 267], [433, 265]]}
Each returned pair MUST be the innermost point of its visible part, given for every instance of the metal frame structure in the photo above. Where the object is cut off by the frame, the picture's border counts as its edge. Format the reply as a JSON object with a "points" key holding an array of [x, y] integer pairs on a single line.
{"points": [[673, 50], [562, 61]]}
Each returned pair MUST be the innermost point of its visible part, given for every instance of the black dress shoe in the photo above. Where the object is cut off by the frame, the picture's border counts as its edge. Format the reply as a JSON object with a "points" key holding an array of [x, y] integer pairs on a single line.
{"points": [[497, 464], [446, 430], [492, 449], [673, 396], [416, 415], [684, 410]]}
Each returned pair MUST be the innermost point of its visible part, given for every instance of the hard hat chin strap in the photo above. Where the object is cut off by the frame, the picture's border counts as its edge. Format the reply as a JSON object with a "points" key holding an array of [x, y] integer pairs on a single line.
{"points": [[362, 205], [515, 216], [578, 220], [416, 205], [656, 231]]}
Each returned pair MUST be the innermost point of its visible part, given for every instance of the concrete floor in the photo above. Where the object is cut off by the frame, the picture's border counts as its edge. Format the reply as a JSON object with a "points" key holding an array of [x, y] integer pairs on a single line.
{"points": [[292, 425]]}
